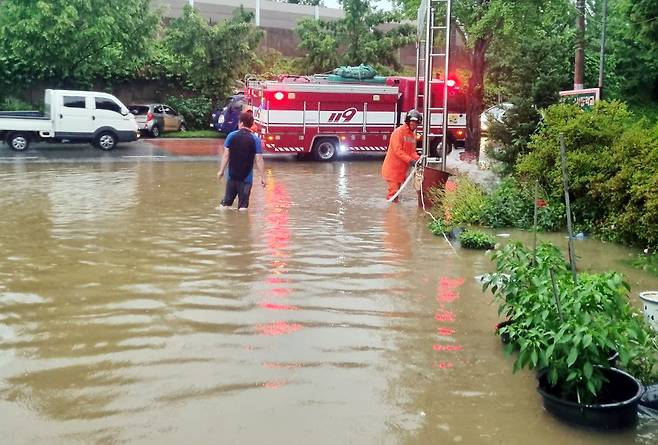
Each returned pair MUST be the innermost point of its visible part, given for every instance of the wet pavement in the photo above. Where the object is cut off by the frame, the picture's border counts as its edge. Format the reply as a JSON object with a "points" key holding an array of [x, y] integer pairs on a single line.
{"points": [[132, 311]]}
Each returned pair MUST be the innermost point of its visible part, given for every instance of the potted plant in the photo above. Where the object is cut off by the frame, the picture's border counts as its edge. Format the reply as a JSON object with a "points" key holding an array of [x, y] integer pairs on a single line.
{"points": [[567, 331]]}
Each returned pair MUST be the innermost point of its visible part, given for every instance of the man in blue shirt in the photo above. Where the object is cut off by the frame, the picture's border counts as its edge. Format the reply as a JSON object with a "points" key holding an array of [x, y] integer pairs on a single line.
{"points": [[241, 149]]}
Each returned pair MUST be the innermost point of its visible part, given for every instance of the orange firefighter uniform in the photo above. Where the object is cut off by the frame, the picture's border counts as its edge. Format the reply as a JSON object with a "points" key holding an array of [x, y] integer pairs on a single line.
{"points": [[401, 151]]}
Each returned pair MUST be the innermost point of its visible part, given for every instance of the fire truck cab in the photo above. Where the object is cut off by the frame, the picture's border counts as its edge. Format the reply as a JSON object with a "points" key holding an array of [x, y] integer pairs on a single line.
{"points": [[324, 116]]}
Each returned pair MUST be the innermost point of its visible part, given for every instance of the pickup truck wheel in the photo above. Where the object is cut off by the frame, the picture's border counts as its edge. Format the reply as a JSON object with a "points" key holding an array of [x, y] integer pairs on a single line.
{"points": [[18, 141], [106, 141], [183, 127], [155, 131], [325, 149]]}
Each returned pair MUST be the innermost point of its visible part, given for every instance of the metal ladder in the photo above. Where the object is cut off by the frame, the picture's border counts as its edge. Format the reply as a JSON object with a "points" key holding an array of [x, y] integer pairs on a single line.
{"points": [[429, 25]]}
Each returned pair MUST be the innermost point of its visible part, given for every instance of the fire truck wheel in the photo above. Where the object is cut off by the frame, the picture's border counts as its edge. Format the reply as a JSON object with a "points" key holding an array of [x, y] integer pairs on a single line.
{"points": [[325, 149], [436, 149]]}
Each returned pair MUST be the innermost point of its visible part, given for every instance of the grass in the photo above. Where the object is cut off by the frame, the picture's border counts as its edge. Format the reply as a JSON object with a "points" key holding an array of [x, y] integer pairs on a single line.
{"points": [[208, 134]]}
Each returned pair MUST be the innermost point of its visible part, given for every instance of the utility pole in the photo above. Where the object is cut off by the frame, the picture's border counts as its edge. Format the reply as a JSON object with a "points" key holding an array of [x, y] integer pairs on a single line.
{"points": [[579, 65], [602, 57]]}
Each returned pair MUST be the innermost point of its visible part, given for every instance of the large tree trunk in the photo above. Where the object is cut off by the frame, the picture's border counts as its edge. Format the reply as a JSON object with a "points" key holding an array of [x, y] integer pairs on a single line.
{"points": [[475, 95]]}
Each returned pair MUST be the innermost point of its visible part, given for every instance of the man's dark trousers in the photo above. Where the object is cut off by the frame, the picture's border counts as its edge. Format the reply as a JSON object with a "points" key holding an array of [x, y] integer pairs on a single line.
{"points": [[241, 189]]}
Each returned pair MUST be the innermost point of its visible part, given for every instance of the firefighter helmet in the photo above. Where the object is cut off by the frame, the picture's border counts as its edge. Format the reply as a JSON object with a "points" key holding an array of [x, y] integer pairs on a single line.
{"points": [[414, 115]]}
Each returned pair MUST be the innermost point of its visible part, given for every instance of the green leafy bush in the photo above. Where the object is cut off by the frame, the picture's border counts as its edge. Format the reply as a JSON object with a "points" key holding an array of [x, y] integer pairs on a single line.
{"points": [[511, 204], [461, 202], [439, 227], [475, 239], [571, 336], [196, 110], [612, 162]]}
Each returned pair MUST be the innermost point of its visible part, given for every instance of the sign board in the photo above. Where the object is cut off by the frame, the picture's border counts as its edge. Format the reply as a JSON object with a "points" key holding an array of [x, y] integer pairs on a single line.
{"points": [[583, 98]]}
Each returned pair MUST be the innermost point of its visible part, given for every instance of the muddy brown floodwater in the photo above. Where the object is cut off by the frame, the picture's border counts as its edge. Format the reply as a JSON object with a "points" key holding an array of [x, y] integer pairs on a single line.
{"points": [[132, 311]]}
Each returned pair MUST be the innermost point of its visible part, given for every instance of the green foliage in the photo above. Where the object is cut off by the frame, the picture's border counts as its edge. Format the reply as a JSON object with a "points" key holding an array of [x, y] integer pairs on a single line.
{"points": [[510, 138], [439, 227], [537, 63], [13, 104], [476, 239], [72, 43], [195, 134], [355, 39], [647, 261], [270, 63], [461, 202], [196, 110], [208, 58], [612, 160], [511, 204], [569, 336]]}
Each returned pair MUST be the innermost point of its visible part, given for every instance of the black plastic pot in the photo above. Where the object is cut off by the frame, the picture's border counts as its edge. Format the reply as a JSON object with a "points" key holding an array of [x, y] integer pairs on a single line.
{"points": [[617, 407]]}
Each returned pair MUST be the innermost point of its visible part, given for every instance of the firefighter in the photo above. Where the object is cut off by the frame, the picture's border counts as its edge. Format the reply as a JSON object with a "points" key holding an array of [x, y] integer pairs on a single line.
{"points": [[401, 152]]}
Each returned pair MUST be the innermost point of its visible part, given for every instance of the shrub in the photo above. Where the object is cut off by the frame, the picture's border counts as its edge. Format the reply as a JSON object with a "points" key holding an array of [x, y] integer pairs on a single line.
{"points": [[475, 239], [569, 336], [511, 204], [439, 227], [613, 170], [196, 110], [461, 202]]}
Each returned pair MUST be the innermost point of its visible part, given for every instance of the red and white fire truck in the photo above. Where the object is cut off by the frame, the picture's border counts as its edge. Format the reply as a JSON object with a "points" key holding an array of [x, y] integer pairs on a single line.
{"points": [[325, 116]]}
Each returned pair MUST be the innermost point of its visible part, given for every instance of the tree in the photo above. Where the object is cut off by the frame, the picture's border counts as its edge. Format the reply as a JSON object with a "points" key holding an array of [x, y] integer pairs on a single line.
{"points": [[72, 43], [481, 23], [357, 38], [633, 50], [209, 58]]}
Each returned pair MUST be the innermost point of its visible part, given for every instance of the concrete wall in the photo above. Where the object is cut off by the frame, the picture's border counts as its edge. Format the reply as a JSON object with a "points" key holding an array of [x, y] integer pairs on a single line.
{"points": [[272, 14]]}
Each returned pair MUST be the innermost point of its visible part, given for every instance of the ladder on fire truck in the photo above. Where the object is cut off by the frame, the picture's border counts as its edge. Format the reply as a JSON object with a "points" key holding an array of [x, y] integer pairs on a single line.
{"points": [[434, 20]]}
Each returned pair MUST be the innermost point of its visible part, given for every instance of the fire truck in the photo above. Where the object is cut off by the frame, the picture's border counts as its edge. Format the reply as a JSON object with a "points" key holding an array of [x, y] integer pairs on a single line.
{"points": [[325, 115]]}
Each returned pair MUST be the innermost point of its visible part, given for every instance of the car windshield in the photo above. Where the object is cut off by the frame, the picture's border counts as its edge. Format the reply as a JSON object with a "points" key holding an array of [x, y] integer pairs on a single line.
{"points": [[138, 109]]}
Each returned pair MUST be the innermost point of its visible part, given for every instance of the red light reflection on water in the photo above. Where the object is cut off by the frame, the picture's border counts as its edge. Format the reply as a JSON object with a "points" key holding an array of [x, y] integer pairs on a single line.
{"points": [[278, 328], [275, 384], [443, 365], [445, 332], [448, 316], [447, 348], [447, 297], [277, 307], [446, 294]]}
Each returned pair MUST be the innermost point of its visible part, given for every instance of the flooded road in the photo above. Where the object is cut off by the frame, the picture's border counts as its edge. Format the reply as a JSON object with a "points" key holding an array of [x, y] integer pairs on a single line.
{"points": [[132, 311]]}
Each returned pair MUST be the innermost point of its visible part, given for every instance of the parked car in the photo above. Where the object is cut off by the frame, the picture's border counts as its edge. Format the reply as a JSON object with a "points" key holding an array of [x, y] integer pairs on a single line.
{"points": [[225, 119], [75, 116], [155, 119], [495, 113]]}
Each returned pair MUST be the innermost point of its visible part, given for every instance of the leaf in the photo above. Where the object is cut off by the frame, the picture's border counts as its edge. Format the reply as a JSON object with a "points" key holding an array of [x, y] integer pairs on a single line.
{"points": [[587, 340], [587, 370], [573, 355]]}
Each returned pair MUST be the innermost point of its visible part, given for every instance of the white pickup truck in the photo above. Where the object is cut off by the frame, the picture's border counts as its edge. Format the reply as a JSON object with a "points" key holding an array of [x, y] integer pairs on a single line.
{"points": [[85, 116]]}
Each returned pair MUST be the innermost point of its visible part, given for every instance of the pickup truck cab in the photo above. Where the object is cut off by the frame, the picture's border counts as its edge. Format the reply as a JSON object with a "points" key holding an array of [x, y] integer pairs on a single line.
{"points": [[75, 116]]}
